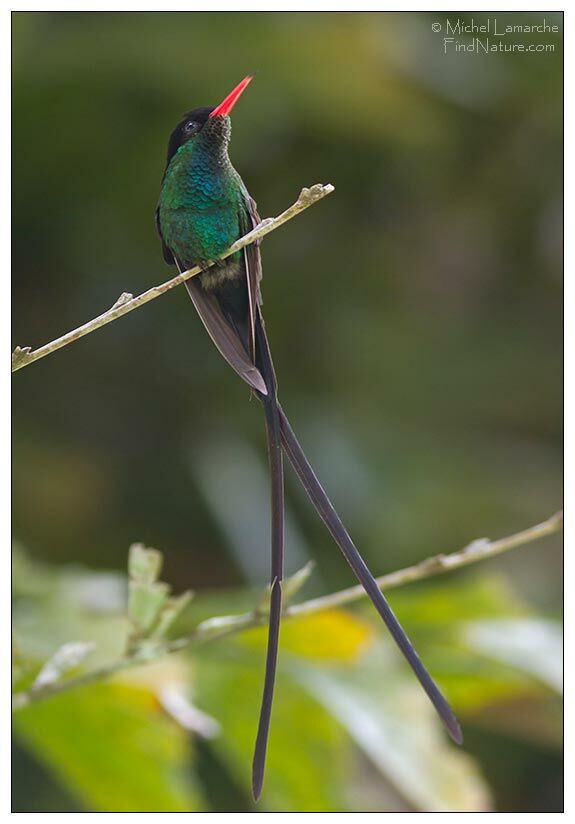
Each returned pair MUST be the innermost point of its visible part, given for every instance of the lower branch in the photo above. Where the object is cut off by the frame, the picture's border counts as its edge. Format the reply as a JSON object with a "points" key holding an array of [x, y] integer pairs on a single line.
{"points": [[221, 627]]}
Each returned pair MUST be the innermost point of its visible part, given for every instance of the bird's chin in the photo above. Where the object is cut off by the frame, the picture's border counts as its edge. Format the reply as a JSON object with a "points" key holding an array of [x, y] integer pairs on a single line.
{"points": [[218, 129]]}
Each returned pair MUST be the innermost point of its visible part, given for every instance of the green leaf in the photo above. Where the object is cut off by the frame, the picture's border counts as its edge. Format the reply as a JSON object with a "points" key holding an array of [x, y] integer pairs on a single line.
{"points": [[439, 604], [53, 603], [171, 610], [113, 748], [292, 585], [66, 658], [330, 635], [436, 616], [144, 563], [146, 601], [391, 720], [151, 611], [305, 768], [530, 645]]}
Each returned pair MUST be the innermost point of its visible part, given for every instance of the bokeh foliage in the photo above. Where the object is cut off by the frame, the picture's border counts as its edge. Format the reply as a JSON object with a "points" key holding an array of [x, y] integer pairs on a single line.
{"points": [[415, 317], [124, 745]]}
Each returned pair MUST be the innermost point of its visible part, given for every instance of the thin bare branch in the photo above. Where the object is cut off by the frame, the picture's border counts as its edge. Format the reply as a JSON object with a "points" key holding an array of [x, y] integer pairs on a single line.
{"points": [[478, 550], [220, 627], [24, 356]]}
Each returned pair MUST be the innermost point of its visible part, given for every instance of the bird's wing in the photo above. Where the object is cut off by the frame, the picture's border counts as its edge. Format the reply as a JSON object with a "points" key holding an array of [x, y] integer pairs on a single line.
{"points": [[249, 219], [218, 328], [224, 336], [168, 256]]}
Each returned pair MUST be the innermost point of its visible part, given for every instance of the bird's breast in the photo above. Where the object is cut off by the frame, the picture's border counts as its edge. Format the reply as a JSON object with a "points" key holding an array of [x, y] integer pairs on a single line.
{"points": [[197, 235], [199, 209]]}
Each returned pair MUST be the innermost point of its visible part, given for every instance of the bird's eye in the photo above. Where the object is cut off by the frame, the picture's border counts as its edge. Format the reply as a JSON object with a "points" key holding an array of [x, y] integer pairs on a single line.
{"points": [[191, 127]]}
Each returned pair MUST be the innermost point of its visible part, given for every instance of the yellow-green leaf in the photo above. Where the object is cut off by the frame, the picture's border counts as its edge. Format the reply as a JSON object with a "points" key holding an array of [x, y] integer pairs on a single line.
{"points": [[113, 747], [333, 635]]}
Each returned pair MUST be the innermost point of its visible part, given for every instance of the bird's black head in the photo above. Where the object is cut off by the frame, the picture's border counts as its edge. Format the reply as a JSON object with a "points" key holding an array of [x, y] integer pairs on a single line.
{"points": [[188, 128], [212, 123]]}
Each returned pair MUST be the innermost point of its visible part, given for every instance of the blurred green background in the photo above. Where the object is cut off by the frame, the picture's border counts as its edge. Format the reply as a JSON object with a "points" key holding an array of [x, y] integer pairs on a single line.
{"points": [[416, 321]]}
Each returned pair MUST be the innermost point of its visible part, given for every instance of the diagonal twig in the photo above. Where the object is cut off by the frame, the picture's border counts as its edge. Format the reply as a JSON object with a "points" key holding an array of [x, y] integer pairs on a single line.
{"points": [[24, 356], [222, 626]]}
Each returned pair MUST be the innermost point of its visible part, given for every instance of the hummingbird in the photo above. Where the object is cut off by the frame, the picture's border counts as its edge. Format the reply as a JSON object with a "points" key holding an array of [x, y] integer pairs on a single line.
{"points": [[204, 207]]}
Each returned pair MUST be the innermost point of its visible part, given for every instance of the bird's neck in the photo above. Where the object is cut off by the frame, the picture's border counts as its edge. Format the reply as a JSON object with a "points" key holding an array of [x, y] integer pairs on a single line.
{"points": [[200, 176]]}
